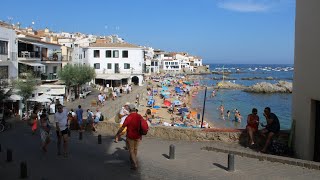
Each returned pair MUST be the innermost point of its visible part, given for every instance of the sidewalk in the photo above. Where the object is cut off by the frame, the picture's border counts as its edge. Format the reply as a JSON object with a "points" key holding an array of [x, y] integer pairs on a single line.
{"points": [[111, 107], [90, 160]]}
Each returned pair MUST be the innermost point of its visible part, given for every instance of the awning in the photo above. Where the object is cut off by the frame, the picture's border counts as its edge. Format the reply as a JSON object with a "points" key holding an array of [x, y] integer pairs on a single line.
{"points": [[30, 42], [14, 97], [55, 92], [112, 76], [32, 63]]}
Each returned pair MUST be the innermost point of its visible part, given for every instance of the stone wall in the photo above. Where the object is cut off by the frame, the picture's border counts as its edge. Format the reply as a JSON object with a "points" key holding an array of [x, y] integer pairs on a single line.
{"points": [[177, 133], [238, 136]]}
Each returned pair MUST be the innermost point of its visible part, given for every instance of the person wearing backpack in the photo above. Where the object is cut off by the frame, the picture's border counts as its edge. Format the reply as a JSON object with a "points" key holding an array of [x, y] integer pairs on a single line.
{"points": [[136, 127]]}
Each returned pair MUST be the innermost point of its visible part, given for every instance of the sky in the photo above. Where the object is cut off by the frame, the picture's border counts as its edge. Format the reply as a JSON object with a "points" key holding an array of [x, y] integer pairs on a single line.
{"points": [[219, 31]]}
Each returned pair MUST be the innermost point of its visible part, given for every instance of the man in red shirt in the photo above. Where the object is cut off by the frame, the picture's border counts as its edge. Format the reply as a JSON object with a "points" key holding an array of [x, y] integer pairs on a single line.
{"points": [[132, 122]]}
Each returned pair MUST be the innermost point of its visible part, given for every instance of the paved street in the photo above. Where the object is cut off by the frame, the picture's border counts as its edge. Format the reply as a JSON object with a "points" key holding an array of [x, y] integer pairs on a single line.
{"points": [[89, 160]]}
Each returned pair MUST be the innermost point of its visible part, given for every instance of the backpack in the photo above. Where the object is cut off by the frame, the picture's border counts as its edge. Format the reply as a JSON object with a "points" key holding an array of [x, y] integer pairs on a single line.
{"points": [[101, 118], [143, 127]]}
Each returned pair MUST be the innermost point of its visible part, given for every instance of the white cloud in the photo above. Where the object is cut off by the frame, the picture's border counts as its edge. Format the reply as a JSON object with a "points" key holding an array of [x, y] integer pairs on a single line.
{"points": [[246, 5]]}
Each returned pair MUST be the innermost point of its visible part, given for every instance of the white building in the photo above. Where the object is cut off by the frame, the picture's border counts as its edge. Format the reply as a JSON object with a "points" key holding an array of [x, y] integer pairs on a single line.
{"points": [[8, 56], [170, 64], [121, 62], [306, 87], [43, 58]]}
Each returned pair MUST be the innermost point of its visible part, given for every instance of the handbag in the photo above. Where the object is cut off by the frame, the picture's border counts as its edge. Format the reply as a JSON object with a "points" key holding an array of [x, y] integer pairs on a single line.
{"points": [[143, 127]]}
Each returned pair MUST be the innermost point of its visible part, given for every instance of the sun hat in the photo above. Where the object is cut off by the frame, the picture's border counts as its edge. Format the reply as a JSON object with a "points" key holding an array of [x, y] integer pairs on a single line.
{"points": [[132, 107], [127, 103]]}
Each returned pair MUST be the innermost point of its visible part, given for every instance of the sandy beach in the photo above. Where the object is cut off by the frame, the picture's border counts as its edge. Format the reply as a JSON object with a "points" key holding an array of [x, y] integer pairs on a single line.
{"points": [[160, 109]]}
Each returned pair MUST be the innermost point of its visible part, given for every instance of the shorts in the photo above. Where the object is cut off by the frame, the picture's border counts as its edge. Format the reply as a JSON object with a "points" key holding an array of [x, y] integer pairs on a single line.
{"points": [[80, 122], [273, 129], [63, 132]]}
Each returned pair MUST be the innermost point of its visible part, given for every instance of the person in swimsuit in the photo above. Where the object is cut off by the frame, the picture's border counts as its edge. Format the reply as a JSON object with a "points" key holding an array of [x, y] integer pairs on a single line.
{"points": [[252, 125]]}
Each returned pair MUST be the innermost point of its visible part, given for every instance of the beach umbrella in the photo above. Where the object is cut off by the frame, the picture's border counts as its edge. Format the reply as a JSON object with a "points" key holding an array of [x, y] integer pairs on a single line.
{"points": [[177, 89], [165, 93], [167, 103], [181, 110], [177, 102], [165, 88]]}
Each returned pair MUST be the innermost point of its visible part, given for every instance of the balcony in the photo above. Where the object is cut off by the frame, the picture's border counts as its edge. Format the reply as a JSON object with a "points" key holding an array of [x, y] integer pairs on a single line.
{"points": [[28, 55], [52, 59], [49, 77]]}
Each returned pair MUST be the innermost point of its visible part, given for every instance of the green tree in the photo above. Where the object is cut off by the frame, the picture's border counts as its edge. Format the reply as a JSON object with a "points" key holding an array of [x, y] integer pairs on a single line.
{"points": [[76, 75], [26, 85], [85, 74]]}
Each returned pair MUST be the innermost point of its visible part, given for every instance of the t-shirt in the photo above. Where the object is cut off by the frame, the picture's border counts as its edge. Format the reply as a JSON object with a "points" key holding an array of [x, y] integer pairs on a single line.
{"points": [[132, 122], [79, 113], [255, 119], [123, 119], [100, 97], [97, 116], [123, 111], [61, 119], [275, 125], [90, 116]]}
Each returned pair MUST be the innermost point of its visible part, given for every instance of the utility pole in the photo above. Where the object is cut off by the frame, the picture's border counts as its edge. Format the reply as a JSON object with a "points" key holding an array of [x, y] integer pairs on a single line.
{"points": [[204, 105]]}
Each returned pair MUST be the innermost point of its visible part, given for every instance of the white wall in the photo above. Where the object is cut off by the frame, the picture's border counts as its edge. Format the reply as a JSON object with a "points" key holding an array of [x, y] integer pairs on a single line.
{"points": [[10, 36], [306, 85], [135, 59]]}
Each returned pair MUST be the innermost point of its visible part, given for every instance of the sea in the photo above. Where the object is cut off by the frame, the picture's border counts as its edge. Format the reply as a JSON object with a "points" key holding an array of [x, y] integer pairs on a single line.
{"points": [[245, 74]]}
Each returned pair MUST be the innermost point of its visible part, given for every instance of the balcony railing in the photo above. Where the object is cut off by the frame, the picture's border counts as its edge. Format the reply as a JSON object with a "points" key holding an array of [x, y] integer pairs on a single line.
{"points": [[50, 76], [28, 54]]}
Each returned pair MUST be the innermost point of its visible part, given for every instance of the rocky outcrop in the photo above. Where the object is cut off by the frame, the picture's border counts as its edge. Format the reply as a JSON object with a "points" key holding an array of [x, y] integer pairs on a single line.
{"points": [[230, 85], [264, 87], [251, 78]]}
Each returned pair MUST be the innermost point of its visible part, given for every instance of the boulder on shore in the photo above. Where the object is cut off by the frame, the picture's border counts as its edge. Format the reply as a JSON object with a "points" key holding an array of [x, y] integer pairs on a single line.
{"points": [[229, 85], [264, 87]]}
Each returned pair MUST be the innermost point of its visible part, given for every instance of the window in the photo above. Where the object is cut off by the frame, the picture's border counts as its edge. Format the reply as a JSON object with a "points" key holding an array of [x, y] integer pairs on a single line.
{"points": [[108, 54], [3, 47], [96, 53], [4, 73], [152, 63], [84, 54], [116, 54], [96, 65], [156, 63], [109, 66], [125, 54], [55, 69], [126, 66]]}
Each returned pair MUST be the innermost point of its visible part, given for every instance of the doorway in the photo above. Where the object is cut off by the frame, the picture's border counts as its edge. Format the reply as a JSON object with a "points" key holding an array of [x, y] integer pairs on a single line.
{"points": [[116, 68], [316, 155]]}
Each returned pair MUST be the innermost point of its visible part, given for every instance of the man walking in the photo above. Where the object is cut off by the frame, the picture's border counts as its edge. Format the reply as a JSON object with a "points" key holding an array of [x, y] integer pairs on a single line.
{"points": [[79, 113], [133, 124], [61, 119]]}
